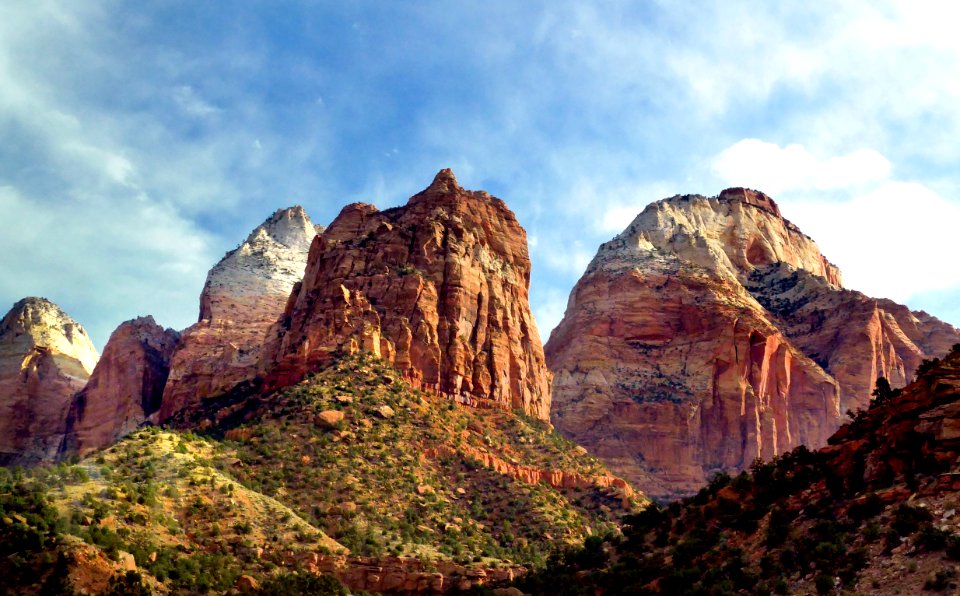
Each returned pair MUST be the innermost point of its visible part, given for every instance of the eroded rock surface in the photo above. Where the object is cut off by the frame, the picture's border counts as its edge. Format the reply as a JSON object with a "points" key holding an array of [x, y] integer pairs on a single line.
{"points": [[126, 386], [673, 360], [852, 336], [45, 357], [245, 293], [439, 288]]}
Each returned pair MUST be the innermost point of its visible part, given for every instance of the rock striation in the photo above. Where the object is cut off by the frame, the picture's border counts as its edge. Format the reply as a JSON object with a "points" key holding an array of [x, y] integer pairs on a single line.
{"points": [[125, 388], [45, 357], [855, 338], [689, 347], [438, 287], [245, 293]]}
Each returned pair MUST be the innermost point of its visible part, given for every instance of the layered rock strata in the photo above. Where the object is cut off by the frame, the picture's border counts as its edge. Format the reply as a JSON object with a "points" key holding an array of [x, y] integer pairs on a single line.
{"points": [[245, 293], [126, 386], [852, 336], [45, 357], [439, 288], [672, 361], [555, 478]]}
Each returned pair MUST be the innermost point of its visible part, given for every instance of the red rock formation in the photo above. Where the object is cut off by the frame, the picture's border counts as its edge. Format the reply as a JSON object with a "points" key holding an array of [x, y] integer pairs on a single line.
{"points": [[534, 475], [403, 575], [45, 357], [244, 295], [125, 388], [438, 288], [855, 338], [684, 352], [668, 375], [905, 437]]}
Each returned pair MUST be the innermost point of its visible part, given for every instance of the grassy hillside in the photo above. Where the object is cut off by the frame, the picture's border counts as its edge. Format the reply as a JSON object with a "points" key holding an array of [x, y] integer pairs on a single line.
{"points": [[153, 499], [350, 461], [401, 473]]}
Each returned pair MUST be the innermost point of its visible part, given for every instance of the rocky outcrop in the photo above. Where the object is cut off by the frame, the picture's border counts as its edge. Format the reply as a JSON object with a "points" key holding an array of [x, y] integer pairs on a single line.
{"points": [[729, 235], [126, 386], [245, 293], [668, 373], [45, 357], [683, 351], [404, 575], [439, 288], [907, 435], [852, 336], [533, 475]]}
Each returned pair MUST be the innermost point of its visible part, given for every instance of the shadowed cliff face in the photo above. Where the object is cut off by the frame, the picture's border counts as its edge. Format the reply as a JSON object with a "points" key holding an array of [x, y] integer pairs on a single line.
{"points": [[439, 288], [45, 357], [852, 336], [125, 389], [684, 351], [244, 295]]}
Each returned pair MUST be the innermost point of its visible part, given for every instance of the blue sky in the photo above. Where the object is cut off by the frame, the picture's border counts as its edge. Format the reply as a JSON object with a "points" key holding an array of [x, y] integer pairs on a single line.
{"points": [[141, 141]]}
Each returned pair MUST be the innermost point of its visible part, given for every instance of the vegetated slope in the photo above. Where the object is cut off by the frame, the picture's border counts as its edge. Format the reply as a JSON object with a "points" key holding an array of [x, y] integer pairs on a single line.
{"points": [[873, 512], [425, 494], [389, 470], [154, 504]]}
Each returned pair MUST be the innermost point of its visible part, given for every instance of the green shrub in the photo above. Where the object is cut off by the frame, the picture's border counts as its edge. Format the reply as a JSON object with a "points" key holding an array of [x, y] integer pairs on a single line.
{"points": [[932, 538], [907, 519], [824, 583], [290, 584]]}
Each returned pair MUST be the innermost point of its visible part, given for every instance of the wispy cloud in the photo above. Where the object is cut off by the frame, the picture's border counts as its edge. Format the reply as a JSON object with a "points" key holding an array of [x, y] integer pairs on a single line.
{"points": [[775, 169], [191, 103], [178, 127]]}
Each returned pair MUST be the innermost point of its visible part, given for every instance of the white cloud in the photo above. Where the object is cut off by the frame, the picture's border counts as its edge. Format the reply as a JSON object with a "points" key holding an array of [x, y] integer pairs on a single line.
{"points": [[103, 261], [894, 241], [889, 237], [75, 217], [773, 169], [191, 103]]}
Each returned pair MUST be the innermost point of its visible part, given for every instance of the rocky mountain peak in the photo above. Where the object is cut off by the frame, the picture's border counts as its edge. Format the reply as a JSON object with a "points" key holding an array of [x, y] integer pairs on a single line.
{"points": [[728, 235], [245, 293], [438, 287], [45, 357], [270, 261], [42, 323], [125, 388], [290, 227], [349, 223], [444, 182], [712, 331], [749, 196]]}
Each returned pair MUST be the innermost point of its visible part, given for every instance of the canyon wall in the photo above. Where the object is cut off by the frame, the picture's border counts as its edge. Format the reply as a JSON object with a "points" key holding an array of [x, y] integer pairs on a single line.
{"points": [[45, 358], [438, 287], [711, 332]]}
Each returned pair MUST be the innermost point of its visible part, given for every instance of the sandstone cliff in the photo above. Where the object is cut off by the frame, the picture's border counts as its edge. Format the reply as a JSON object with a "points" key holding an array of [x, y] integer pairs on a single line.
{"points": [[852, 336], [125, 389], [245, 293], [45, 357], [438, 288], [686, 349], [873, 512]]}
